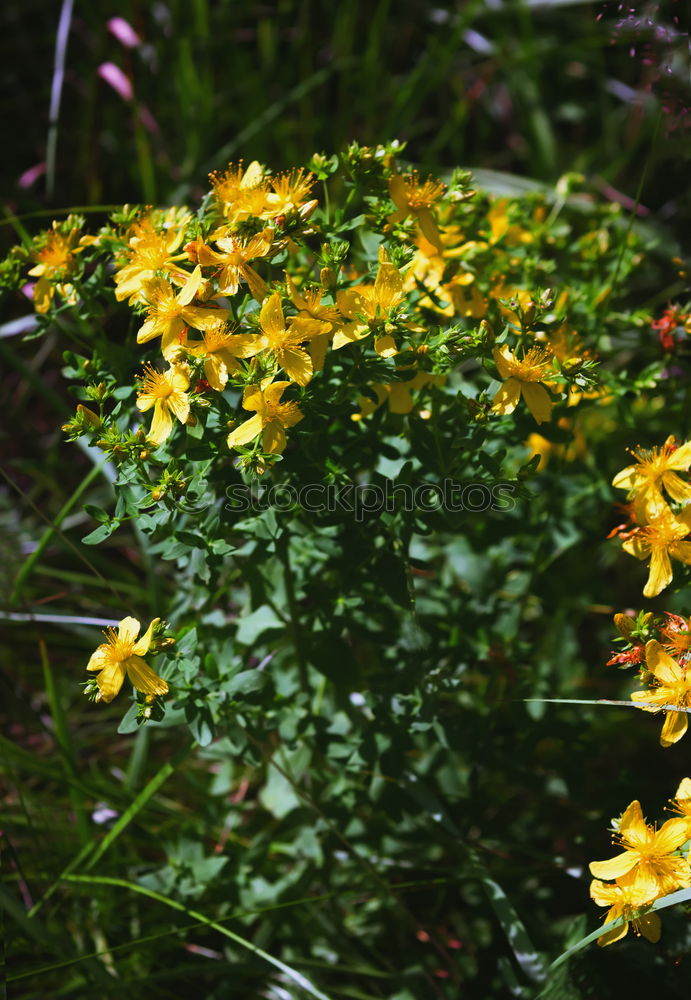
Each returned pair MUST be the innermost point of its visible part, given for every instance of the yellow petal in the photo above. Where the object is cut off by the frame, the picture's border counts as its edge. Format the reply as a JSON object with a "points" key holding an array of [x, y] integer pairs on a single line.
{"points": [[654, 698], [349, 333], [385, 346], [306, 327], [632, 825], [141, 647], [128, 630], [145, 400], [676, 487], [274, 391], [616, 934], [257, 286], [191, 287], [215, 372], [42, 295], [681, 551], [683, 794], [388, 287], [271, 317], [676, 724], [180, 405], [297, 364], [615, 867], [252, 176], [507, 397], [161, 425], [203, 319], [659, 662], [637, 547], [644, 882], [400, 400], [100, 657], [143, 677], [650, 926], [672, 833], [537, 400], [318, 347], [681, 458], [243, 345], [397, 190], [604, 894], [110, 680], [625, 479], [245, 432], [660, 572], [148, 330], [503, 359], [429, 228], [253, 398], [274, 437]]}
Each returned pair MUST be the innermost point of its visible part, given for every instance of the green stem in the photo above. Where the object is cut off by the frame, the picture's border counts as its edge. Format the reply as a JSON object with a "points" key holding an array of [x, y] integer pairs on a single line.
{"points": [[283, 551]]}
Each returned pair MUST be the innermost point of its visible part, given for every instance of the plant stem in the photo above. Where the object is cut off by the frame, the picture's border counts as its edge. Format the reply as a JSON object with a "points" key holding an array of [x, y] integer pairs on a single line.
{"points": [[283, 551]]}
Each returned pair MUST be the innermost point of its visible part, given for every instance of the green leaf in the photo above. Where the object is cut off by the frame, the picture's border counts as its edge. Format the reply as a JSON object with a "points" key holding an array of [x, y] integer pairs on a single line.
{"points": [[100, 534]]}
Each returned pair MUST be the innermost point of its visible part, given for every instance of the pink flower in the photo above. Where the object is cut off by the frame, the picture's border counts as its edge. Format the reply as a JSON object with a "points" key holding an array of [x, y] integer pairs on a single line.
{"points": [[31, 175], [114, 76], [124, 32]]}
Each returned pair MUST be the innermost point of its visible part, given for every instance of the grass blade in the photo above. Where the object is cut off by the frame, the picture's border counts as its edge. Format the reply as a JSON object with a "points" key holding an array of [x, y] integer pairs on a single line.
{"points": [[94, 850], [293, 974]]}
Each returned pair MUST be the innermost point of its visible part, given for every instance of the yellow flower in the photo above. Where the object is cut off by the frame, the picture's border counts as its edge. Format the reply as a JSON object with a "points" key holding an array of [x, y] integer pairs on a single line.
{"points": [[367, 305], [308, 304], [625, 901], [169, 314], [647, 864], [151, 248], [411, 196], [654, 471], [270, 420], [289, 193], [672, 687], [240, 193], [55, 260], [166, 392], [220, 348], [232, 263], [283, 341], [659, 540], [524, 377], [121, 654]]}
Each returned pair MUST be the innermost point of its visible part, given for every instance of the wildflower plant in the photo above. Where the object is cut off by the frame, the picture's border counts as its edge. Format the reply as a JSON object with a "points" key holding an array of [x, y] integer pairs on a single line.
{"points": [[318, 395]]}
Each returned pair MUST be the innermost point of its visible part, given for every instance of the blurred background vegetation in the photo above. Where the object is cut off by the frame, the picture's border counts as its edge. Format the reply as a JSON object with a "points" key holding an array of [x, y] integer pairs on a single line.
{"points": [[534, 87]]}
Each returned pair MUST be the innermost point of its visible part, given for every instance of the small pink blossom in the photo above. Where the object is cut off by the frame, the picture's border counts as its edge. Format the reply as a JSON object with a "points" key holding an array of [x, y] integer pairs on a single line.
{"points": [[124, 32], [115, 78], [31, 175]]}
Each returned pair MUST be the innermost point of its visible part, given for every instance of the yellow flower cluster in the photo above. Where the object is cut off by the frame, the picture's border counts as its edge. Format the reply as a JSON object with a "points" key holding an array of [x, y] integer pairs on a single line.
{"points": [[658, 532], [184, 290], [651, 865]]}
